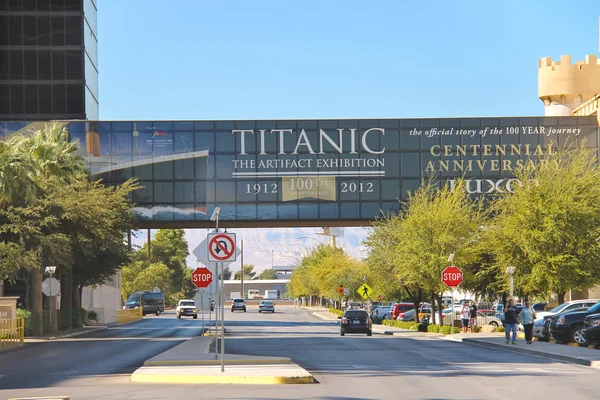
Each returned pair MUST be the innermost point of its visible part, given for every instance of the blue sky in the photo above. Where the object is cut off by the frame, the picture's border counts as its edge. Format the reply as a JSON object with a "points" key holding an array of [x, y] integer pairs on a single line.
{"points": [[331, 59]]}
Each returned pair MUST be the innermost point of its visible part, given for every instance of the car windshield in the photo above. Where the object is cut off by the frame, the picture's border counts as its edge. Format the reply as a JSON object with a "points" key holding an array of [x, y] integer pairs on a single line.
{"points": [[267, 303], [187, 304], [133, 299], [238, 300], [559, 308], [595, 308], [355, 314]]}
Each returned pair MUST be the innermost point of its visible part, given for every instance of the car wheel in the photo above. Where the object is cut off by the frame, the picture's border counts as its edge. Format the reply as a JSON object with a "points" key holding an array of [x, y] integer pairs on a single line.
{"points": [[259, 311], [158, 313], [578, 336], [342, 333], [178, 316], [494, 324], [195, 317], [370, 333], [244, 310]]}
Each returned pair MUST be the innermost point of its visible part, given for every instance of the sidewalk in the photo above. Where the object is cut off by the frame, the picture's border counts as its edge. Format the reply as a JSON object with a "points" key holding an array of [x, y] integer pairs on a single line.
{"points": [[65, 334], [577, 355]]}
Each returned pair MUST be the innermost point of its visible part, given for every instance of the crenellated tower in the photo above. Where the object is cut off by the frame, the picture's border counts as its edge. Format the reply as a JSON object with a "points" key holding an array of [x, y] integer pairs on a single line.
{"points": [[564, 86]]}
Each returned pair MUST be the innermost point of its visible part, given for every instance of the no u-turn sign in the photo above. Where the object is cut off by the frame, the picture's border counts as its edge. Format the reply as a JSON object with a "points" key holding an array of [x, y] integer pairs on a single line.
{"points": [[221, 247]]}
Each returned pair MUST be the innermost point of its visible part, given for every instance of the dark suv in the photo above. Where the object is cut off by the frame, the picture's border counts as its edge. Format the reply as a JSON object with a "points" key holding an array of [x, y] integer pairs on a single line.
{"points": [[569, 326], [356, 321], [592, 328], [238, 304]]}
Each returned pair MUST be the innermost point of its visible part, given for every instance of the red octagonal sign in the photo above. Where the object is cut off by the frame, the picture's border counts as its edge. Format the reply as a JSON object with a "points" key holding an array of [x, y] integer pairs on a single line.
{"points": [[452, 276], [202, 277]]}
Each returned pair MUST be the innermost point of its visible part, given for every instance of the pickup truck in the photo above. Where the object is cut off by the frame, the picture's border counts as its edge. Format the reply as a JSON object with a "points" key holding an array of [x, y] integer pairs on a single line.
{"points": [[187, 308]]}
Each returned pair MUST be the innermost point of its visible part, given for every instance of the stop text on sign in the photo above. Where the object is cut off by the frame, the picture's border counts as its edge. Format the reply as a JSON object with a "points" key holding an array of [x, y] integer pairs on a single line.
{"points": [[202, 278], [452, 276]]}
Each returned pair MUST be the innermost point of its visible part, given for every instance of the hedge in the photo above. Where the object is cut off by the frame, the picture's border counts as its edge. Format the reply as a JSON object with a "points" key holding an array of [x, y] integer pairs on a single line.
{"points": [[447, 330], [336, 311], [32, 323], [500, 329], [434, 328]]}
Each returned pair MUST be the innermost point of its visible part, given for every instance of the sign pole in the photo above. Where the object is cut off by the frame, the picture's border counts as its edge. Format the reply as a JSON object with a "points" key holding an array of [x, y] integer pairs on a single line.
{"points": [[452, 305], [222, 324], [202, 310], [50, 302]]}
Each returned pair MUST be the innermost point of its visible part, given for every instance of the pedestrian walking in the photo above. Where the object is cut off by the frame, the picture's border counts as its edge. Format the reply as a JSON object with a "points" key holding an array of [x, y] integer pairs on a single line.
{"points": [[465, 315], [511, 319], [527, 317], [473, 320]]}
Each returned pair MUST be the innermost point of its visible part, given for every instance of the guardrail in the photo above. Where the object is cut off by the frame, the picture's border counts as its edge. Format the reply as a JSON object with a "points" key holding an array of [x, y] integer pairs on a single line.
{"points": [[12, 333], [129, 316]]}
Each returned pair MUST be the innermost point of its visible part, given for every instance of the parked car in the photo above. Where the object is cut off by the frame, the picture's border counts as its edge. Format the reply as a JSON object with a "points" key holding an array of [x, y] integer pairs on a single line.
{"points": [[591, 327], [266, 306], [399, 309], [569, 326], [186, 308], [569, 305], [382, 312], [542, 323], [238, 304], [356, 321]]}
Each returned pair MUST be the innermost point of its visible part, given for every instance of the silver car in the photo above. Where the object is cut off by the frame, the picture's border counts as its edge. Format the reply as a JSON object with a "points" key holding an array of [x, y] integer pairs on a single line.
{"points": [[266, 306]]}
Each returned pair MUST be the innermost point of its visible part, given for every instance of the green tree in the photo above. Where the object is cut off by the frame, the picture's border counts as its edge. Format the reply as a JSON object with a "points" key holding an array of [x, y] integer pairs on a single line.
{"points": [[438, 221], [248, 273], [268, 274], [549, 226], [170, 247], [137, 277]]}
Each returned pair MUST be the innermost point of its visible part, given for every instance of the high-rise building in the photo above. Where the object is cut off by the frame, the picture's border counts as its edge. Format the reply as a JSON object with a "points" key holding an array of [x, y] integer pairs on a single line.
{"points": [[48, 60]]}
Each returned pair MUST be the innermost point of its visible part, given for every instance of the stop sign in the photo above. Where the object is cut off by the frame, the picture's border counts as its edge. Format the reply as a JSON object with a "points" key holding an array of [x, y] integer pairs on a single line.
{"points": [[452, 276], [202, 277]]}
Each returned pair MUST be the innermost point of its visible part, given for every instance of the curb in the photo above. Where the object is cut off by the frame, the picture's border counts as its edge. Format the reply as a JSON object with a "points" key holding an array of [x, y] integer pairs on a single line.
{"points": [[521, 350], [37, 339], [241, 380]]}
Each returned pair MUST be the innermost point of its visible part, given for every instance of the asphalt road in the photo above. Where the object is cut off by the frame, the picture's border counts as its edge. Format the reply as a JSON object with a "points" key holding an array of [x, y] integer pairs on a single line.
{"points": [[351, 367]]}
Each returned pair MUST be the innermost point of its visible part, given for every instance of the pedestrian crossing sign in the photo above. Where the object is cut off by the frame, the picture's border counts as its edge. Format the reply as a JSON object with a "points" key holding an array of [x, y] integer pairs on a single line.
{"points": [[365, 291]]}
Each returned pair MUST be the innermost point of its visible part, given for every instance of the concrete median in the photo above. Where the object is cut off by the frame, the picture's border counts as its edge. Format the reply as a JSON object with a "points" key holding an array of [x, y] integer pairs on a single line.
{"points": [[192, 362]]}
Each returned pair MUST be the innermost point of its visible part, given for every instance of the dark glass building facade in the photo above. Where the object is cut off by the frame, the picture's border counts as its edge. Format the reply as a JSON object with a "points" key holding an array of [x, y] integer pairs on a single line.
{"points": [[307, 172], [48, 60]]}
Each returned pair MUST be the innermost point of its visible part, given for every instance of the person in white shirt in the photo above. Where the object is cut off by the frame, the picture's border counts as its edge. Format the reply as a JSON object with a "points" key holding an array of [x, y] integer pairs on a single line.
{"points": [[464, 316]]}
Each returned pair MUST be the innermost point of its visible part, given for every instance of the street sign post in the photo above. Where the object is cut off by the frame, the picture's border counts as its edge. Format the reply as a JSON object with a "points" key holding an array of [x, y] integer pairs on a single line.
{"points": [[365, 291], [202, 277], [452, 277], [221, 247]]}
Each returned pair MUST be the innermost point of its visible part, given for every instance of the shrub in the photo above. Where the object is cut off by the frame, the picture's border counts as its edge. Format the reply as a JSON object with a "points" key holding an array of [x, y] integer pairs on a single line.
{"points": [[31, 323], [500, 329], [414, 327], [92, 316], [376, 320], [434, 328], [477, 329], [447, 330], [336, 311]]}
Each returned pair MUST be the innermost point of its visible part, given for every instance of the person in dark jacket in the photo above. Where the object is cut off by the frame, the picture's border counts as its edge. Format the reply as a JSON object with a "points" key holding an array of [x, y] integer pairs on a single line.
{"points": [[511, 320], [473, 319]]}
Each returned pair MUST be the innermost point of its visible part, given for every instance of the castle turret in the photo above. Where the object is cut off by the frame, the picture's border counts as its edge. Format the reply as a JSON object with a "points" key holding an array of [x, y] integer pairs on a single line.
{"points": [[564, 86]]}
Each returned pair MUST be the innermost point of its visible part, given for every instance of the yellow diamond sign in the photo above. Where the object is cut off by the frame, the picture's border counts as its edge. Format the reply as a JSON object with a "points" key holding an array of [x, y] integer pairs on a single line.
{"points": [[365, 291]]}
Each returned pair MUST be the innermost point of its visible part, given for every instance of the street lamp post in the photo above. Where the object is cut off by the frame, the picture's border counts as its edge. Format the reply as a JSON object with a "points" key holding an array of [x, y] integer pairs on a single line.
{"points": [[511, 272], [51, 270]]}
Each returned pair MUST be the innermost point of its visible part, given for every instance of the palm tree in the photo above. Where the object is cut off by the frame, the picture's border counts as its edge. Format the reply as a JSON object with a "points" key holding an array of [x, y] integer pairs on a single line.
{"points": [[17, 186]]}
